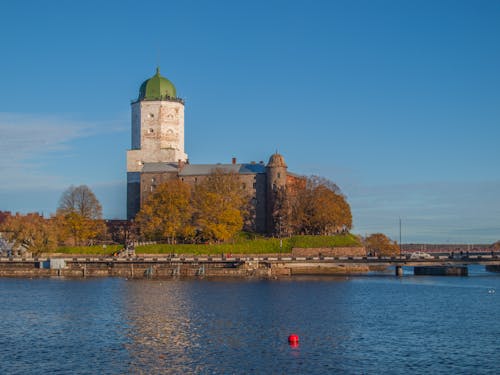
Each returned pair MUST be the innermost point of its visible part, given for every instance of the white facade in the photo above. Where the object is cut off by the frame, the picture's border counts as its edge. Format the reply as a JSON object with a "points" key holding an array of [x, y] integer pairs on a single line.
{"points": [[157, 133]]}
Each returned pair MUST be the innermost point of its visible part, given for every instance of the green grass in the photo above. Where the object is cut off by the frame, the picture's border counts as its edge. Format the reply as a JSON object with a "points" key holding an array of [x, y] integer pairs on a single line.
{"points": [[89, 250], [257, 246], [243, 243], [249, 244]]}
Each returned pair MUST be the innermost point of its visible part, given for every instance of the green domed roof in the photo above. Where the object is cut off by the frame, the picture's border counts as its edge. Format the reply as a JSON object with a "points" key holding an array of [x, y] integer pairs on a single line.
{"points": [[157, 88]]}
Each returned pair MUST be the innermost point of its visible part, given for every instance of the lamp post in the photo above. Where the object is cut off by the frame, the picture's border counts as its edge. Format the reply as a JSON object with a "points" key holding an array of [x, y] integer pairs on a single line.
{"points": [[400, 238], [279, 231]]}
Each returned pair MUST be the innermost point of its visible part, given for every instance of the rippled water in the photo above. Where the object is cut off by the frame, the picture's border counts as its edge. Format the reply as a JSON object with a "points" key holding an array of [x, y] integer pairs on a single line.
{"points": [[362, 325]]}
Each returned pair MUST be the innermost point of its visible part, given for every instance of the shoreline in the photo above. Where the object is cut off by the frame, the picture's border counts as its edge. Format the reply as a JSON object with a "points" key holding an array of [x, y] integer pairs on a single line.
{"points": [[167, 267]]}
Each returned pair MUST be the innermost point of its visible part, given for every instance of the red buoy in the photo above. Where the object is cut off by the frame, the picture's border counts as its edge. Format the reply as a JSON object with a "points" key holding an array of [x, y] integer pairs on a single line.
{"points": [[293, 339]]}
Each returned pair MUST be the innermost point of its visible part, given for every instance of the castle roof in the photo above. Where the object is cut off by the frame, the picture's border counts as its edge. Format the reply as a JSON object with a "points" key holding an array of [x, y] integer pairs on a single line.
{"points": [[159, 167], [277, 160], [203, 169], [206, 169], [157, 88]]}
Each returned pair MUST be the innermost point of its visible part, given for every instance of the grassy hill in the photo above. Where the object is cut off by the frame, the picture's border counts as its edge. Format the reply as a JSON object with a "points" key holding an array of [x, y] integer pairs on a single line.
{"points": [[244, 243]]}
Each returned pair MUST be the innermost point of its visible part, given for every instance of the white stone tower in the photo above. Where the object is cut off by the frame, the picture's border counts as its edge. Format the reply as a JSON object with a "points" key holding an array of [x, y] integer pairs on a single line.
{"points": [[157, 133]]}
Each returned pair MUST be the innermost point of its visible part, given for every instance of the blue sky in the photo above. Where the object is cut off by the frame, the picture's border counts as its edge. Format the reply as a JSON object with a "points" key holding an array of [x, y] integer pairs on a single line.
{"points": [[398, 102]]}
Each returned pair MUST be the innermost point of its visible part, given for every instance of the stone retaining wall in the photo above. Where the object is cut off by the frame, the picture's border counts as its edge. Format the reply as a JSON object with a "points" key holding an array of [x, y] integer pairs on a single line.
{"points": [[155, 269], [329, 252]]}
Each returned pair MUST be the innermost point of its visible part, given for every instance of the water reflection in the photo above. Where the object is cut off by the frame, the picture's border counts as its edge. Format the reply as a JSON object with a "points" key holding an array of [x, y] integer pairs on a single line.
{"points": [[159, 331], [368, 325], [221, 326]]}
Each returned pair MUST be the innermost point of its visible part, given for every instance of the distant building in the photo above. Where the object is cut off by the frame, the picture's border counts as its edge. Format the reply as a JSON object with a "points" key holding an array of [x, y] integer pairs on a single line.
{"points": [[157, 155]]}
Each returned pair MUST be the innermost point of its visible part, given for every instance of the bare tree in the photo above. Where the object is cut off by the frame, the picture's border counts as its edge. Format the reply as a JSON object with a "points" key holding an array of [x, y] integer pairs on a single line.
{"points": [[80, 215], [316, 181], [282, 211], [80, 200]]}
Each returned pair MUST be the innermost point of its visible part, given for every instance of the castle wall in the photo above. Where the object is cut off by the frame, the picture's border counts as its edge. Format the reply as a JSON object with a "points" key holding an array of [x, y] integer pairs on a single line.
{"points": [[133, 194], [254, 185], [136, 126], [151, 180], [276, 179], [260, 203], [329, 252], [157, 133]]}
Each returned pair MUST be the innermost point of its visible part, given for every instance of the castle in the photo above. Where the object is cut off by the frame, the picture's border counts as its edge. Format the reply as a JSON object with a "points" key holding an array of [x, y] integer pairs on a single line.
{"points": [[157, 155]]}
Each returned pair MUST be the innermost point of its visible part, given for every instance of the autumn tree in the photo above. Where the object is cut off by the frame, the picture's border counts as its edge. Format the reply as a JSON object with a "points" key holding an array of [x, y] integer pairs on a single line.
{"points": [[320, 209], [32, 231], [120, 231], [281, 214], [220, 206], [379, 244], [4, 215], [316, 181], [167, 213], [79, 215]]}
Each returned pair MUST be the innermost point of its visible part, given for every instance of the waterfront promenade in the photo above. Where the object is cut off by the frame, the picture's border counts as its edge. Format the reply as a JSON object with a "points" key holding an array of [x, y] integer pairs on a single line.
{"points": [[229, 265]]}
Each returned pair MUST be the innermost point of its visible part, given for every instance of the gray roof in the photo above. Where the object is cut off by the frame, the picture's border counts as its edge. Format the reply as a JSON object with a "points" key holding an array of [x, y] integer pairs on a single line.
{"points": [[206, 169], [159, 167]]}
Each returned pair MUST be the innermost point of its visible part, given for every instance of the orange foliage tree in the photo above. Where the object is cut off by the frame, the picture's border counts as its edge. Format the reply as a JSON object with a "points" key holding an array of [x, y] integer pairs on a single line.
{"points": [[379, 244], [31, 231], [220, 206], [320, 209], [79, 216], [167, 213]]}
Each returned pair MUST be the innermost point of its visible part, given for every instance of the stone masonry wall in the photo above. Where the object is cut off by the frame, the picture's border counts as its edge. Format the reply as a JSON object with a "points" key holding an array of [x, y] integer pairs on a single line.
{"points": [[329, 252]]}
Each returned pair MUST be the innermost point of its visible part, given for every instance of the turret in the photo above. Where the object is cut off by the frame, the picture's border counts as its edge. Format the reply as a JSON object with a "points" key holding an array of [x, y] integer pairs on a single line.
{"points": [[276, 174]]}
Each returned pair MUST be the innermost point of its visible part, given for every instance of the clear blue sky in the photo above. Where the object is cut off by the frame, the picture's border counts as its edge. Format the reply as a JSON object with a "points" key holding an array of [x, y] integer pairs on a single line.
{"points": [[398, 102]]}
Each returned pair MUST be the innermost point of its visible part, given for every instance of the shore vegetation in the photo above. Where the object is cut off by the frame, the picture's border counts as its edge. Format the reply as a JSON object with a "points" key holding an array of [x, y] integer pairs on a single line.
{"points": [[214, 216], [243, 243], [379, 244]]}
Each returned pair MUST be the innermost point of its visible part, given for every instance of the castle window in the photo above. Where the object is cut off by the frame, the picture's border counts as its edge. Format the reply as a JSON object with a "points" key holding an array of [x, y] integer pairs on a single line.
{"points": [[244, 186], [153, 180], [151, 130], [279, 174], [195, 180], [182, 179], [254, 185], [151, 115]]}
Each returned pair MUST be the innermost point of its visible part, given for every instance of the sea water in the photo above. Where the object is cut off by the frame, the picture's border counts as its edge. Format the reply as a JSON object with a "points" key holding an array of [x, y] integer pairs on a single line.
{"points": [[375, 324]]}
